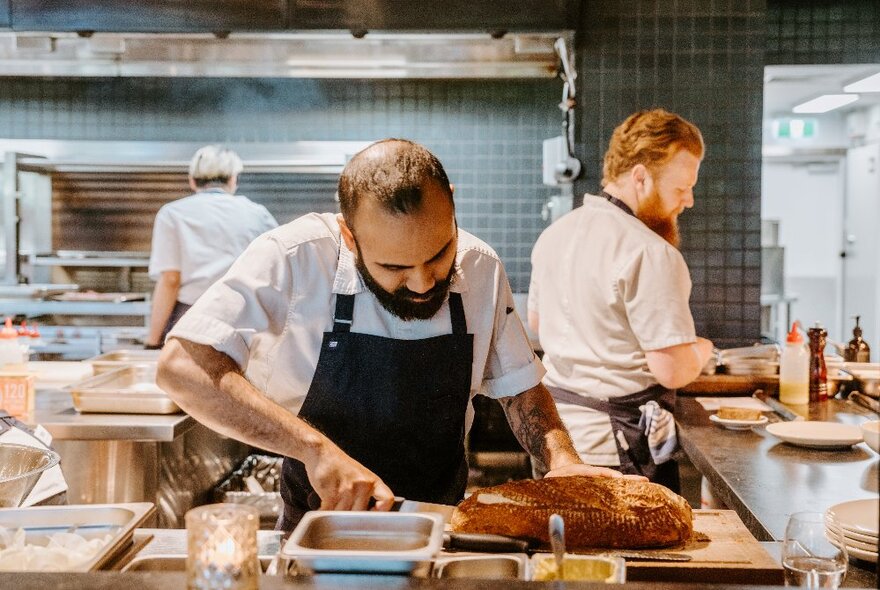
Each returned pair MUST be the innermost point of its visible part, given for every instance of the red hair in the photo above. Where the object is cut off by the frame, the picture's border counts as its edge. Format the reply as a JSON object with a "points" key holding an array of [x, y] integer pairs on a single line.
{"points": [[650, 138]]}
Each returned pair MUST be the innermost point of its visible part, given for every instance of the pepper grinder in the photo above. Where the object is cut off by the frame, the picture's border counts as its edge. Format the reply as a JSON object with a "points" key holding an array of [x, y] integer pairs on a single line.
{"points": [[818, 372]]}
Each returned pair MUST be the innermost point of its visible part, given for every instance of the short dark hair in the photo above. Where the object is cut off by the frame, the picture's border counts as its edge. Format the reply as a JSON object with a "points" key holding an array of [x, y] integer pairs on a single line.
{"points": [[392, 172]]}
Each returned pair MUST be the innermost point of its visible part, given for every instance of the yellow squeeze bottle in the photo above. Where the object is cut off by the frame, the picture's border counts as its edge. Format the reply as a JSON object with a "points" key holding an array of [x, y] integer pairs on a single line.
{"points": [[794, 370]]}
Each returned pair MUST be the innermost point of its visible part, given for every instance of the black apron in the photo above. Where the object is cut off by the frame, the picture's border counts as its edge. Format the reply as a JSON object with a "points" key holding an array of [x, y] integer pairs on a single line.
{"points": [[396, 406], [625, 416], [176, 314]]}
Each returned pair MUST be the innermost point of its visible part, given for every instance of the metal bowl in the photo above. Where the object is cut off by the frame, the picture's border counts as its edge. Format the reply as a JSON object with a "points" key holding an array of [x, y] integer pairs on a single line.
{"points": [[20, 468]]}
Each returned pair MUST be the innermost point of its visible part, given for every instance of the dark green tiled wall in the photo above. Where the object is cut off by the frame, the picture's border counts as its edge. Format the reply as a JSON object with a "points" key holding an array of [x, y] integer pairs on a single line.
{"points": [[703, 60]]}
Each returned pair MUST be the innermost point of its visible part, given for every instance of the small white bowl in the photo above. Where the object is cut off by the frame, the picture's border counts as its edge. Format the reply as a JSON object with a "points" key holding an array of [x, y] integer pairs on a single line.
{"points": [[871, 433]]}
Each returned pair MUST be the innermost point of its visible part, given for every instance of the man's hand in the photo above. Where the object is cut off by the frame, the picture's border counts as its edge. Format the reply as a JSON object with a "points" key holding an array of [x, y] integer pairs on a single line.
{"points": [[344, 484], [590, 471]]}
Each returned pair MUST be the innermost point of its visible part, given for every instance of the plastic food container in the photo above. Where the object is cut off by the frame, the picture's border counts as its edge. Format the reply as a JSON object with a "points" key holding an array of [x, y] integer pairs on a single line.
{"points": [[365, 542], [117, 359], [87, 520], [581, 568], [129, 390]]}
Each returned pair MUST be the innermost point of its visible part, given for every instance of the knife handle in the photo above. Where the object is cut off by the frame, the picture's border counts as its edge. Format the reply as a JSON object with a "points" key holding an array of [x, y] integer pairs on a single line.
{"points": [[484, 543]]}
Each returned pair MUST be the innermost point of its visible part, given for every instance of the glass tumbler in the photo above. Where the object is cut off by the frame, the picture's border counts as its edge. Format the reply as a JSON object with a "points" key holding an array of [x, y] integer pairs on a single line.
{"points": [[222, 547], [813, 554]]}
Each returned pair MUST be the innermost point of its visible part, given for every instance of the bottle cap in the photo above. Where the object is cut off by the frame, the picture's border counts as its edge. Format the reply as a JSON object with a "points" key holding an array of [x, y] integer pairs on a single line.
{"points": [[794, 337], [857, 331], [8, 332]]}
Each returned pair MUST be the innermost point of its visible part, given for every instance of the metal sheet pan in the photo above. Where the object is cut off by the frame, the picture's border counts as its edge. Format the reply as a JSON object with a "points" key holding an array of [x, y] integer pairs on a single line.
{"points": [[110, 361], [87, 520], [365, 542], [127, 390]]}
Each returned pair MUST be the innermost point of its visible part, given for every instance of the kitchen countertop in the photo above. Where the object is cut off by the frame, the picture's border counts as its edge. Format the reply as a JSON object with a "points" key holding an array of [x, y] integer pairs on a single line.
{"points": [[765, 480], [54, 411], [177, 581]]}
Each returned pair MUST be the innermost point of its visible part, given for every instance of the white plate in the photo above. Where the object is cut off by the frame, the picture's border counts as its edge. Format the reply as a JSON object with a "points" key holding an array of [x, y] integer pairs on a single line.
{"points": [[853, 536], [737, 424], [856, 552], [817, 435], [859, 516]]}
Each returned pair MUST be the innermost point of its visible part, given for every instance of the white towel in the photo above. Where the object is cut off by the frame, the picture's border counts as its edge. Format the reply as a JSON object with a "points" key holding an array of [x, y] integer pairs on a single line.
{"points": [[659, 426]]}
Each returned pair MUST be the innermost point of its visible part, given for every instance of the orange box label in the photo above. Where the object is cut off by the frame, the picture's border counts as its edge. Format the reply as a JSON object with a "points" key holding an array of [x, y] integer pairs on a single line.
{"points": [[17, 394]]}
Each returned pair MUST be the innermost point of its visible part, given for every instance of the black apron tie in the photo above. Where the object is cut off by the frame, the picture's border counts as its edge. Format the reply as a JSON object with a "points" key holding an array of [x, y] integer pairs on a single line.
{"points": [[618, 203], [624, 413], [396, 406]]}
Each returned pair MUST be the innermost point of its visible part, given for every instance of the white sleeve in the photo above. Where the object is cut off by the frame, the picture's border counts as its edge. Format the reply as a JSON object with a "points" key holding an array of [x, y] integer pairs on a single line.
{"points": [[655, 287], [252, 297], [165, 250], [512, 366]]}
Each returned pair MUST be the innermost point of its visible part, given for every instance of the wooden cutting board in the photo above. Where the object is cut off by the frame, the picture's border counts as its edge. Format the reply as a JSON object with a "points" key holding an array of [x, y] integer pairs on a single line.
{"points": [[731, 384], [722, 551]]}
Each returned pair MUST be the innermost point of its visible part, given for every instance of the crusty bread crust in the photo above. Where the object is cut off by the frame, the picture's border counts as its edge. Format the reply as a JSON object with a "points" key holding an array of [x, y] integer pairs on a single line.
{"points": [[598, 512]]}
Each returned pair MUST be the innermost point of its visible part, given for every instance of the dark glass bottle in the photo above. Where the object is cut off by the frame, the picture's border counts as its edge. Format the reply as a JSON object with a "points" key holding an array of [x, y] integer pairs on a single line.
{"points": [[818, 372], [857, 351]]}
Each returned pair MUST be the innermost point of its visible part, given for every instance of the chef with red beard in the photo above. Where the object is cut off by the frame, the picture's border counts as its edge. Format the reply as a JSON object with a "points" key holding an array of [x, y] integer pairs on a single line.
{"points": [[608, 299], [353, 343]]}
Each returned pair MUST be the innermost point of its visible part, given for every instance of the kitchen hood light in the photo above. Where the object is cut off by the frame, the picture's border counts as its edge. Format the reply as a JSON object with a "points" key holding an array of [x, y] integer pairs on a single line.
{"points": [[869, 84], [825, 103]]}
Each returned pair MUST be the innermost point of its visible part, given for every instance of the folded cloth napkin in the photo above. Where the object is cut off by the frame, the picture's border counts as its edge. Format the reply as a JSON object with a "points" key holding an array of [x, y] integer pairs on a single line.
{"points": [[659, 426]]}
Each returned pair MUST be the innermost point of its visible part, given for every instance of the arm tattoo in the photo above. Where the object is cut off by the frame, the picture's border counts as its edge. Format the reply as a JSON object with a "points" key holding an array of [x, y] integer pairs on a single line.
{"points": [[536, 424]]}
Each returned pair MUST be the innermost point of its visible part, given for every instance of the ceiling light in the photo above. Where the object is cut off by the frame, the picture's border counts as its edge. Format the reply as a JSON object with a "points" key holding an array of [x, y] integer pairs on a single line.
{"points": [[869, 84], [825, 103]]}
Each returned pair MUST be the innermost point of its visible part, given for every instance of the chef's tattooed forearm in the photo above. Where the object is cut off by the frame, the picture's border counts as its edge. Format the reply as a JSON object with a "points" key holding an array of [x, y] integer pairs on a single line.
{"points": [[536, 424]]}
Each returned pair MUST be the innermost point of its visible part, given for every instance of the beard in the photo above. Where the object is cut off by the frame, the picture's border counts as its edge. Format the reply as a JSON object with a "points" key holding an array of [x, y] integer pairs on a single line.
{"points": [[403, 303], [663, 224]]}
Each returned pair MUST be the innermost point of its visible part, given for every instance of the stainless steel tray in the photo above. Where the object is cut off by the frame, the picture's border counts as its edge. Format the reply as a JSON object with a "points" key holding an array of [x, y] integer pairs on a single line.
{"points": [[128, 390], [498, 566], [87, 520], [110, 361], [366, 542]]}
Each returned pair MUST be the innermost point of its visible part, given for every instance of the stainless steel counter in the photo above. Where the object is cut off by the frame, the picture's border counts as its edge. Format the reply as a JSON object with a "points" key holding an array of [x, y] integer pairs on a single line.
{"points": [[171, 460], [54, 410]]}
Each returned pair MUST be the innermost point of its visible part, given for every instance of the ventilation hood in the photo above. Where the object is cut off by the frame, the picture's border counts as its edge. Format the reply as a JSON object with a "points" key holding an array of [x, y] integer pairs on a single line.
{"points": [[332, 54]]}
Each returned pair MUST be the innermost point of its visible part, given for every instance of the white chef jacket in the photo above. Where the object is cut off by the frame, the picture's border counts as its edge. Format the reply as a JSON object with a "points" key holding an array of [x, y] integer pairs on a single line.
{"points": [[270, 311], [201, 235], [606, 289]]}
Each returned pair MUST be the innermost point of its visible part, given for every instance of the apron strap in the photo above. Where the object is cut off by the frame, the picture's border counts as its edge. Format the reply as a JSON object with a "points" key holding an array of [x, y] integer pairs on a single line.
{"points": [[344, 313], [456, 312]]}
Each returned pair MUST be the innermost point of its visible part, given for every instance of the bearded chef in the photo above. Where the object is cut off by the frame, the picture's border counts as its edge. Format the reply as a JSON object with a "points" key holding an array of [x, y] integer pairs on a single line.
{"points": [[353, 344], [608, 299]]}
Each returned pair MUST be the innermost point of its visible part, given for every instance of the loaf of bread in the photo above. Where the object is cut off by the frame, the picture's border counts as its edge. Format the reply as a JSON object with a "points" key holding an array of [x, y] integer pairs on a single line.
{"points": [[738, 413], [598, 512]]}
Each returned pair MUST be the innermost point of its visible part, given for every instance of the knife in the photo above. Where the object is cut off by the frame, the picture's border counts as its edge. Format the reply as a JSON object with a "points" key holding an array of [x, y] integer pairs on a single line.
{"points": [[477, 542], [649, 556], [864, 401], [785, 413]]}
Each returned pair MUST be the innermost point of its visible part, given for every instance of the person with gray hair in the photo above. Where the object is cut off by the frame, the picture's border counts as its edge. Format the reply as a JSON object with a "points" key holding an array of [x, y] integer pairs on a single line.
{"points": [[197, 238]]}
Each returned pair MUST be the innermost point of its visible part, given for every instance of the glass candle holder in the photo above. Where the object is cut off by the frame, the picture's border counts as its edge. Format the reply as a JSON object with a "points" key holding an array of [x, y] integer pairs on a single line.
{"points": [[222, 547]]}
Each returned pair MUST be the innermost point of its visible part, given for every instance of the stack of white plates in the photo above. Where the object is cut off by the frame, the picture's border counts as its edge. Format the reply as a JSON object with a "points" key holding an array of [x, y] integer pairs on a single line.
{"points": [[857, 526]]}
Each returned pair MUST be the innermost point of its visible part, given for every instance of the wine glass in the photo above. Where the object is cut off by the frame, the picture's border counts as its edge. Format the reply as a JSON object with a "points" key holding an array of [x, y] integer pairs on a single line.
{"points": [[813, 553]]}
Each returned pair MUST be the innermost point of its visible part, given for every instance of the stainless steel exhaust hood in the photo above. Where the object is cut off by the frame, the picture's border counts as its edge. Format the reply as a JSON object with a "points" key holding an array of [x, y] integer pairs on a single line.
{"points": [[282, 55]]}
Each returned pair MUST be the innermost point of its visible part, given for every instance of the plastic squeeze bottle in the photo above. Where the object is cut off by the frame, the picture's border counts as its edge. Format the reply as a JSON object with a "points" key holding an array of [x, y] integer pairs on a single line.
{"points": [[10, 352], [794, 370]]}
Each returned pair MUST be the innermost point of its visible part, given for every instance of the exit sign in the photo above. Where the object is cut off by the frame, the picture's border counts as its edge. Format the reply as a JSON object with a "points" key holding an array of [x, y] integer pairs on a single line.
{"points": [[794, 128]]}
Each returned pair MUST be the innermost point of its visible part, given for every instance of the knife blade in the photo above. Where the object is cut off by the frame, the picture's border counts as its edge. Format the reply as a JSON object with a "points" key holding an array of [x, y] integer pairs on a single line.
{"points": [[785, 413], [864, 401], [649, 556], [404, 505]]}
